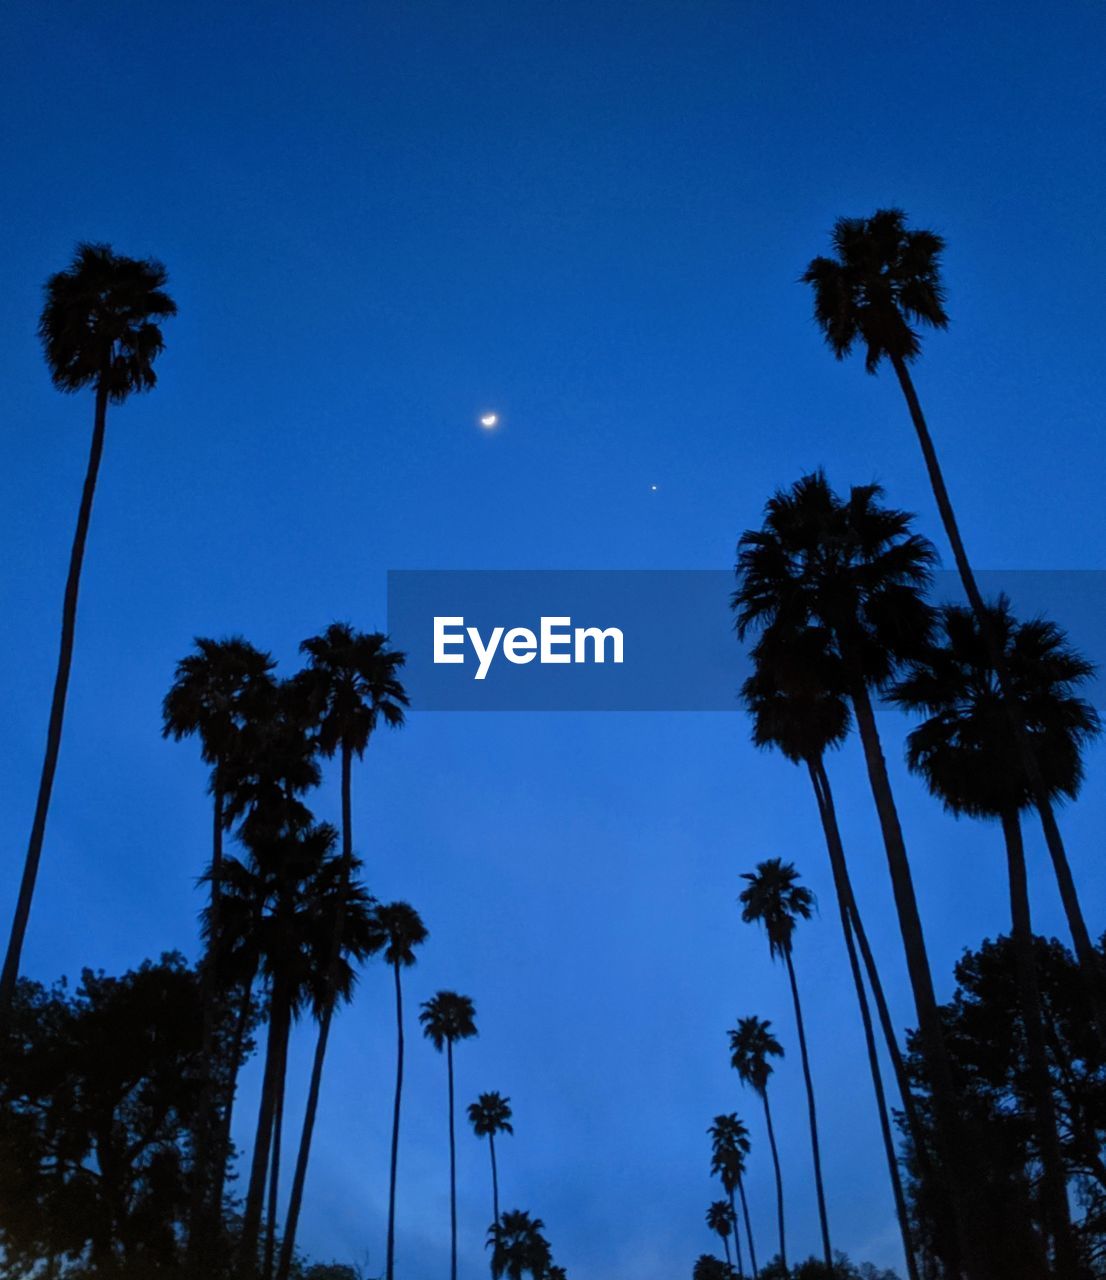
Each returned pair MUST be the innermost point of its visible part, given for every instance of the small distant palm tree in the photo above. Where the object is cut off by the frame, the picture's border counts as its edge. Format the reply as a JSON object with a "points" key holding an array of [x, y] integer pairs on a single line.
{"points": [[404, 931], [349, 687], [752, 1046], [446, 1018], [99, 328], [884, 281], [970, 760], [556, 1273], [491, 1114], [721, 1221], [518, 1247], [729, 1150], [774, 898], [708, 1267]]}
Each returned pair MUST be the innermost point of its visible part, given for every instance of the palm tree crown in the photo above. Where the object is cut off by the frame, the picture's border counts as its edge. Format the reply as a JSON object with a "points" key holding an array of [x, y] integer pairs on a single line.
{"points": [[883, 280], [719, 1218], [99, 322], [404, 930], [752, 1045], [446, 1018], [965, 749], [490, 1114], [776, 899], [795, 695], [518, 1246]]}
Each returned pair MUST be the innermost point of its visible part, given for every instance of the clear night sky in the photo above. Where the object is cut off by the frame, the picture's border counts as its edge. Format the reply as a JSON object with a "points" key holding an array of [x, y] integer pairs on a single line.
{"points": [[381, 219]]}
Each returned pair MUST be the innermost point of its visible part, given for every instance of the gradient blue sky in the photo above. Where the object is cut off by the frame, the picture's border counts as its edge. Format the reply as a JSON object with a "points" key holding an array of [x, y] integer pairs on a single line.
{"points": [[380, 219]]}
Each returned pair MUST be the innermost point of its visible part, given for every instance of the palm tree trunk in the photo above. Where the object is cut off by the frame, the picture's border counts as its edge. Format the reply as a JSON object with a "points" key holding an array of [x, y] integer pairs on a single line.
{"points": [[779, 1176], [748, 1227], [279, 1020], [736, 1235], [274, 1166], [495, 1181], [951, 1147], [223, 1155], [299, 1178], [10, 974], [846, 904], [726, 1246], [1087, 955], [1057, 1213], [452, 1171], [390, 1268], [812, 1113]]}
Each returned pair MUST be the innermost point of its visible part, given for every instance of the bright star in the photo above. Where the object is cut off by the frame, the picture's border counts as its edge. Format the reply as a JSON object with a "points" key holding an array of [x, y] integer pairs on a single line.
{"points": [[489, 419]]}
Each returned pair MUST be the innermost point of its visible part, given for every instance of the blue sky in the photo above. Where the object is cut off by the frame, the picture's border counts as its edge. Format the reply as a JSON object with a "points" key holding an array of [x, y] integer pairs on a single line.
{"points": [[379, 221]]}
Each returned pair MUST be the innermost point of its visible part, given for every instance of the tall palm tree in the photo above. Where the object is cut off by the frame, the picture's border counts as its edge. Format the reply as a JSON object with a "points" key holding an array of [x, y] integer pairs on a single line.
{"points": [[970, 760], [884, 281], [774, 898], [491, 1114], [752, 1046], [446, 1018], [213, 696], [854, 569], [721, 1221], [404, 931], [99, 328], [729, 1151], [349, 687], [794, 698], [518, 1247]]}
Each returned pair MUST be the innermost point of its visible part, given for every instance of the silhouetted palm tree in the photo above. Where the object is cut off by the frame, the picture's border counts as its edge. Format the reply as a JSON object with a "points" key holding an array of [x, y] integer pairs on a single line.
{"points": [[518, 1247], [446, 1018], [404, 931], [491, 1114], [884, 280], [99, 329], [349, 686], [729, 1151], [854, 569], [708, 1267], [721, 1221], [752, 1045], [797, 708], [774, 898], [970, 760]]}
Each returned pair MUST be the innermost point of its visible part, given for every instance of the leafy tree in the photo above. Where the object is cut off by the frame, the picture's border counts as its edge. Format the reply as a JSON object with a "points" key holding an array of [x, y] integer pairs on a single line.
{"points": [[774, 898], [349, 687], [99, 329], [404, 931], [446, 1018], [752, 1047], [491, 1114], [708, 1267]]}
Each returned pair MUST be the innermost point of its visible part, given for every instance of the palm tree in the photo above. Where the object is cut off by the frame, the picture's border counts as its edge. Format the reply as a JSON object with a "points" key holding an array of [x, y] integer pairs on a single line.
{"points": [[798, 709], [971, 761], [883, 280], [854, 570], [752, 1045], [446, 1018], [729, 1151], [491, 1114], [708, 1267], [774, 898], [404, 931], [518, 1247], [99, 329], [213, 696], [721, 1221], [349, 686]]}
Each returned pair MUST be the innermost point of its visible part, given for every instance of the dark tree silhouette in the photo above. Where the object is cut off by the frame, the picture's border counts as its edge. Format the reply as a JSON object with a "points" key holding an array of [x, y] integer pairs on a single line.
{"points": [[518, 1247], [491, 1114], [729, 1151], [99, 329], [720, 1220], [446, 1018], [752, 1046]]}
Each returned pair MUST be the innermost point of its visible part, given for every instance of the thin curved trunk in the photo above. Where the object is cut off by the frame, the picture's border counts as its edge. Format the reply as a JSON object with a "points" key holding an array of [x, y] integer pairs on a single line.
{"points": [[299, 1178], [748, 1227], [726, 1246], [779, 1176], [495, 1181], [279, 1020], [1088, 957], [274, 1168], [1057, 1213], [736, 1235], [452, 1171], [390, 1266], [10, 974], [241, 1024], [847, 908], [950, 1145], [812, 1112]]}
